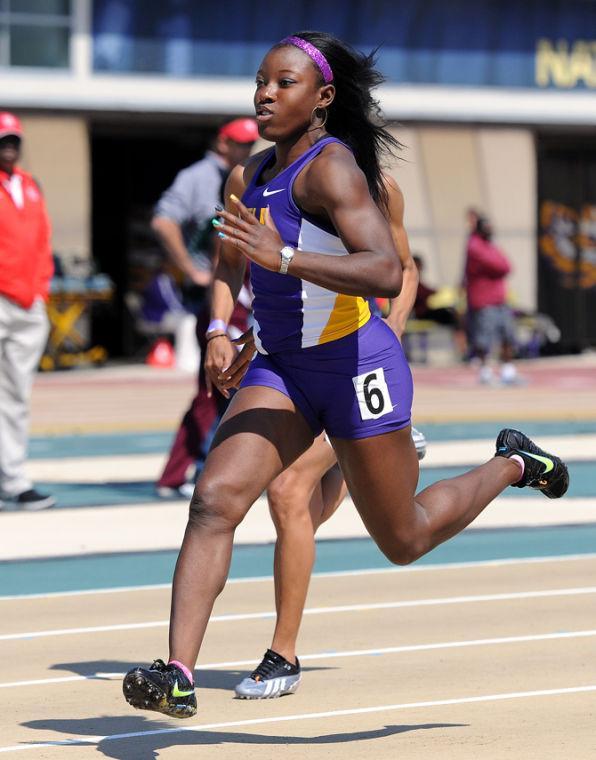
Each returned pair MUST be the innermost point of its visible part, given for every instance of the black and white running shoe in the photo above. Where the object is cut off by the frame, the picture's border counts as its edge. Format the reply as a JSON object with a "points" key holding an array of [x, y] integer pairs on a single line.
{"points": [[543, 471], [419, 442], [162, 688], [32, 501], [274, 677]]}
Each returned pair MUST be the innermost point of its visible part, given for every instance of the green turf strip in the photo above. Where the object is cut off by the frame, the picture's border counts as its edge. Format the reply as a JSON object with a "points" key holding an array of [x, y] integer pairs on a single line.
{"points": [[75, 495], [148, 568], [58, 447]]}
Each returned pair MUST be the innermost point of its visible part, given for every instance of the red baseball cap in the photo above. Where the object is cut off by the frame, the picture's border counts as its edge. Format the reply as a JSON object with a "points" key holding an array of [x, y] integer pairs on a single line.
{"points": [[10, 125], [240, 130]]}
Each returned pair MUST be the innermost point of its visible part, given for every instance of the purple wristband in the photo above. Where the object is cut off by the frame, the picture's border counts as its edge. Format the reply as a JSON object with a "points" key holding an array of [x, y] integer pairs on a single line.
{"points": [[216, 324]]}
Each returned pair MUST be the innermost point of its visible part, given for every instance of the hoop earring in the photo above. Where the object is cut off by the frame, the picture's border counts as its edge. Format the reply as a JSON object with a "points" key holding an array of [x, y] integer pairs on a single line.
{"points": [[313, 114]]}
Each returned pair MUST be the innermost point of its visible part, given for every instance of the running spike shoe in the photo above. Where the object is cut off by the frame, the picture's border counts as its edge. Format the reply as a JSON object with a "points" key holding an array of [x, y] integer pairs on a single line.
{"points": [[543, 471], [274, 677], [420, 442], [163, 688]]}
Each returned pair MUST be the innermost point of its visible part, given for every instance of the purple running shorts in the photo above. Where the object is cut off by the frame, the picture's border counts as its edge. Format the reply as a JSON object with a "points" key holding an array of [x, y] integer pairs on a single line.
{"points": [[355, 387]]}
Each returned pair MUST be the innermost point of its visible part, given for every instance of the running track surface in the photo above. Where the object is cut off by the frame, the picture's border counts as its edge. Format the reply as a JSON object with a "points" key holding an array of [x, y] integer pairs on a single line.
{"points": [[484, 650], [457, 661]]}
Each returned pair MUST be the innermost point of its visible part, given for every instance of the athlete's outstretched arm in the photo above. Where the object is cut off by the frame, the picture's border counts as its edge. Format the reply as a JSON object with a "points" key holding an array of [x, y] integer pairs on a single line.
{"points": [[227, 281], [331, 187], [401, 307], [229, 272]]}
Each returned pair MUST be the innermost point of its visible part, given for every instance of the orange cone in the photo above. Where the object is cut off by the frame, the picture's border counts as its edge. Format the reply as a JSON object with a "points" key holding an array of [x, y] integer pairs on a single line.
{"points": [[161, 354]]}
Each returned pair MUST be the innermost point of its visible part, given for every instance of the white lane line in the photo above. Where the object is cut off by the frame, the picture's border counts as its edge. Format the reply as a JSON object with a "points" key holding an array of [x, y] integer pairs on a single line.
{"points": [[334, 655], [432, 602], [94, 740], [332, 574]]}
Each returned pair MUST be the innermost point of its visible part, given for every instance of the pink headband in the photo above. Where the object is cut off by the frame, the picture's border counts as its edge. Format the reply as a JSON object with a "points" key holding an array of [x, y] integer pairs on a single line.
{"points": [[314, 54]]}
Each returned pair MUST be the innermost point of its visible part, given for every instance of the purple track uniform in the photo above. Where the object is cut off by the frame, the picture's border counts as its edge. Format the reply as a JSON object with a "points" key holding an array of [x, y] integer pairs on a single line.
{"points": [[343, 368]]}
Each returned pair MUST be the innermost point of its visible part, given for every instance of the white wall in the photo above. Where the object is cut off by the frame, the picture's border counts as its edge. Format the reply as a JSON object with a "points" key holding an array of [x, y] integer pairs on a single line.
{"points": [[56, 152], [444, 171]]}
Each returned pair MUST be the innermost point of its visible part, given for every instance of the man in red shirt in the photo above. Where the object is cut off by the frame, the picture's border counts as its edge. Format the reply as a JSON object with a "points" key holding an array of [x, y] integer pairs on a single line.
{"points": [[26, 267], [491, 318]]}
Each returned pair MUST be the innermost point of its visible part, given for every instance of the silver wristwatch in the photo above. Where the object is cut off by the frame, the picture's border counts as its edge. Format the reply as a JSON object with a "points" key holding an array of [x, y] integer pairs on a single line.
{"points": [[286, 255]]}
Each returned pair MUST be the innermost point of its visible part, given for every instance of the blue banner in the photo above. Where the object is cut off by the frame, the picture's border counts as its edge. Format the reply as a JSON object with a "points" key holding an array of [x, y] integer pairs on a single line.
{"points": [[506, 43]]}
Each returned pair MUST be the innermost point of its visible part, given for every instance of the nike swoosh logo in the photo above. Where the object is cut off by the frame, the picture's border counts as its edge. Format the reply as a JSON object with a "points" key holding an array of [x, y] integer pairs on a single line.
{"points": [[267, 192], [548, 463], [177, 693]]}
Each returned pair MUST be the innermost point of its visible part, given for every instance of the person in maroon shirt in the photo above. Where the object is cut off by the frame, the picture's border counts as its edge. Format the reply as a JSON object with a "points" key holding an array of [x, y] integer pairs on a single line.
{"points": [[491, 319]]}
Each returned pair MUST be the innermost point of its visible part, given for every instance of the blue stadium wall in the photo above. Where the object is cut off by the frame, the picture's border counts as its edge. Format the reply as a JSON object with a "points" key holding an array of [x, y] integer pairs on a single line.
{"points": [[529, 44]]}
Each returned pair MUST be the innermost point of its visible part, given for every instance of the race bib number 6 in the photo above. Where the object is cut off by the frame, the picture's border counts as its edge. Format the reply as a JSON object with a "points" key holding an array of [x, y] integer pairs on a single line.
{"points": [[372, 394]]}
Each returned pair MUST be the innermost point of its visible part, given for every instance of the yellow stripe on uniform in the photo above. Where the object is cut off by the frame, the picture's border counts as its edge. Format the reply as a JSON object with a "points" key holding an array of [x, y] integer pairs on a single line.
{"points": [[348, 314]]}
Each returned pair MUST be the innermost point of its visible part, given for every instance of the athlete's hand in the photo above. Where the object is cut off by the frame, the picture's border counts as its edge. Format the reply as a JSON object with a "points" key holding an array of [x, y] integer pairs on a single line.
{"points": [[219, 356], [232, 376], [258, 242]]}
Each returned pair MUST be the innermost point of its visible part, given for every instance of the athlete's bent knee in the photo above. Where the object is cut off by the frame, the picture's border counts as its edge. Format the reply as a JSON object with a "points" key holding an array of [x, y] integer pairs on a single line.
{"points": [[288, 501], [286, 488], [216, 508], [403, 549]]}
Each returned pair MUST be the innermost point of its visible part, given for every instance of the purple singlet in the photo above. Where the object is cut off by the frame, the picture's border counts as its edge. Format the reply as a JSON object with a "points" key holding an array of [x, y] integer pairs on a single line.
{"points": [[343, 369]]}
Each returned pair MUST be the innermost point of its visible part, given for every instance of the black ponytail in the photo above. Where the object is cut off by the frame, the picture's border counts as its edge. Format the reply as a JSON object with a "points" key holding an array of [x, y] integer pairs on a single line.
{"points": [[355, 115]]}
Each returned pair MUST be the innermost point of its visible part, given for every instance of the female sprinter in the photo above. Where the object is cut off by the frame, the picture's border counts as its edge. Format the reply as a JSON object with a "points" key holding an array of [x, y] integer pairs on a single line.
{"points": [[310, 223], [307, 494]]}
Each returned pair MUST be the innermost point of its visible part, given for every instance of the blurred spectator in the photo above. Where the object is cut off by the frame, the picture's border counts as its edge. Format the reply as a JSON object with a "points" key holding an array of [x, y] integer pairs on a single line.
{"points": [[182, 223], [439, 306], [491, 320], [422, 308], [162, 302], [182, 219], [472, 217], [25, 273]]}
